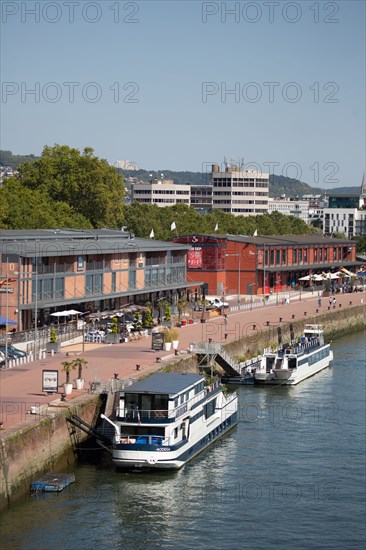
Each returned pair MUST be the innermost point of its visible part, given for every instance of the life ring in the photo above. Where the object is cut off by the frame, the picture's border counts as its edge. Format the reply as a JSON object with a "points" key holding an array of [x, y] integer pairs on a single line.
{"points": [[152, 460]]}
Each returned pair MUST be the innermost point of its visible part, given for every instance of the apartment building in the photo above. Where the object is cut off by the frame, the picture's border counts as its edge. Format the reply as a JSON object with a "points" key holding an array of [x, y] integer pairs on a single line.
{"points": [[346, 214]]}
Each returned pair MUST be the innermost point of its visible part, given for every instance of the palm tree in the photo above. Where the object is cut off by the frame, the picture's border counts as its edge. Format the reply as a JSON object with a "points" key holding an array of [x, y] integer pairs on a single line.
{"points": [[68, 366], [80, 363]]}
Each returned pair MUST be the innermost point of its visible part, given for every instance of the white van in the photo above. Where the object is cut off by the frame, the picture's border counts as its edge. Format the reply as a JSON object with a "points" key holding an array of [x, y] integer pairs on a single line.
{"points": [[216, 302]]}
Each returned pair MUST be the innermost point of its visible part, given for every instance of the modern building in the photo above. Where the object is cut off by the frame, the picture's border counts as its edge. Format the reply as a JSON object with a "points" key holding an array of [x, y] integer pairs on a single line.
{"points": [[346, 214], [290, 207], [45, 271], [242, 193], [201, 198], [162, 193], [230, 265], [238, 192]]}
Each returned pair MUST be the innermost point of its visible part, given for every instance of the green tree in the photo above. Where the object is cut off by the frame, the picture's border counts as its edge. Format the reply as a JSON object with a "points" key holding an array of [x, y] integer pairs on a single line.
{"points": [[86, 183], [22, 208]]}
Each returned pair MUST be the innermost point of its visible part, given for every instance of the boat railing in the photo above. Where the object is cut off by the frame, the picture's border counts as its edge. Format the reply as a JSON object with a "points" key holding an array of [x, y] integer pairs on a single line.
{"points": [[145, 414]]}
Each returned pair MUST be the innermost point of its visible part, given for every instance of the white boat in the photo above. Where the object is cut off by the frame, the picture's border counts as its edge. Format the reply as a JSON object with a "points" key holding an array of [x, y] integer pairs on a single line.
{"points": [[293, 362], [166, 419]]}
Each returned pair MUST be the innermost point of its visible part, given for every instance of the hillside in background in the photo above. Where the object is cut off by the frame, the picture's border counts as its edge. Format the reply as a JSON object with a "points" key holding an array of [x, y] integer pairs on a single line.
{"points": [[279, 185]]}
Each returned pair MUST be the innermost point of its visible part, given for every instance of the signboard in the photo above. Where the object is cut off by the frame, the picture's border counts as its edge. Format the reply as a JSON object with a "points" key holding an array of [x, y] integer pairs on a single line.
{"points": [[194, 258], [157, 341], [50, 381]]}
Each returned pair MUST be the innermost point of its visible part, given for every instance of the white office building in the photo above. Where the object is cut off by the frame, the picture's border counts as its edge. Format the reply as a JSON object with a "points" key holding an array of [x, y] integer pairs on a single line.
{"points": [[290, 207], [238, 192], [162, 193]]}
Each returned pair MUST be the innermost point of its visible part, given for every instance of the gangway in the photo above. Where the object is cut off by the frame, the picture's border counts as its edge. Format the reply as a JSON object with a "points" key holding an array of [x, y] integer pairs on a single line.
{"points": [[103, 438], [213, 351]]}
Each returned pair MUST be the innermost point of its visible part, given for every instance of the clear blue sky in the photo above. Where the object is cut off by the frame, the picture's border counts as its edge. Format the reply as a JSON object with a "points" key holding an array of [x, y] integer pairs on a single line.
{"points": [[169, 52]]}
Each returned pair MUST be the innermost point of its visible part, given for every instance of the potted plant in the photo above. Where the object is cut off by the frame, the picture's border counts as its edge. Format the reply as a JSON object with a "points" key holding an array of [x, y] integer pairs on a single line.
{"points": [[167, 339], [53, 345], [148, 320], [67, 367], [80, 363], [113, 336], [174, 334], [168, 314]]}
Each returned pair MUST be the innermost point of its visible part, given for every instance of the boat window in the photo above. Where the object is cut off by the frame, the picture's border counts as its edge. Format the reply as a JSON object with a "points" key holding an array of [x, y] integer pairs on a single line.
{"points": [[210, 408], [292, 363]]}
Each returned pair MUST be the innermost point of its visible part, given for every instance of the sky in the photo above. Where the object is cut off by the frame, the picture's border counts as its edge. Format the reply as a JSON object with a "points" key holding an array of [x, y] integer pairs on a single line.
{"points": [[278, 86]]}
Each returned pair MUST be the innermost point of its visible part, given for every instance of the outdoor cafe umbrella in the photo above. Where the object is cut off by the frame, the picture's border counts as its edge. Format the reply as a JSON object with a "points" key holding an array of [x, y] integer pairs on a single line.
{"points": [[330, 275], [311, 278], [59, 314]]}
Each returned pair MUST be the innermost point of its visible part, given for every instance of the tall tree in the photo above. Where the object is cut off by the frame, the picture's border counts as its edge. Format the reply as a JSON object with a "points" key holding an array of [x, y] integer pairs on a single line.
{"points": [[24, 208], [86, 183]]}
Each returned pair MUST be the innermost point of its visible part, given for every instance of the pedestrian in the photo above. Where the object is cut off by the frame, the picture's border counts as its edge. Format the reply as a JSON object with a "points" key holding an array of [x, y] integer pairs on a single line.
{"points": [[334, 303], [319, 301], [225, 319]]}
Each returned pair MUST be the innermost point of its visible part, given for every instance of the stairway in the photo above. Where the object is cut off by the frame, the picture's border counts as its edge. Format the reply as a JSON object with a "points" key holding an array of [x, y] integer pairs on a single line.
{"points": [[223, 358]]}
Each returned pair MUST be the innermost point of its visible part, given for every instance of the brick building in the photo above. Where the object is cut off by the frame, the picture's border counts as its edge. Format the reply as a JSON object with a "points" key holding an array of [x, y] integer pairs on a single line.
{"points": [[231, 264]]}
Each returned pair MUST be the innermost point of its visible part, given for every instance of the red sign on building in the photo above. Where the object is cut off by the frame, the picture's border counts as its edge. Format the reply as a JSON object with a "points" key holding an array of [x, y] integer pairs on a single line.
{"points": [[194, 258]]}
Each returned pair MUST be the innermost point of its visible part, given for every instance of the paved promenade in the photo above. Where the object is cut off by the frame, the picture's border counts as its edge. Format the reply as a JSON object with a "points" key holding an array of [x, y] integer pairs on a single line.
{"points": [[21, 387]]}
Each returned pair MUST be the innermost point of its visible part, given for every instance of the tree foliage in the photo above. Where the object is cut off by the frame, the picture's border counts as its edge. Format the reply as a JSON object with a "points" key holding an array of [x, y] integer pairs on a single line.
{"points": [[22, 208], [89, 185]]}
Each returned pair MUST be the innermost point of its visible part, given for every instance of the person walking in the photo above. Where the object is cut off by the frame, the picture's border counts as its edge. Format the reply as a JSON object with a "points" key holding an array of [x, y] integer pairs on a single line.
{"points": [[225, 319], [319, 301]]}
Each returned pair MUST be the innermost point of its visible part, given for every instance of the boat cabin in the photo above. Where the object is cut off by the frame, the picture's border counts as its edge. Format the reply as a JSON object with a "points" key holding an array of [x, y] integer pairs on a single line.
{"points": [[157, 409]]}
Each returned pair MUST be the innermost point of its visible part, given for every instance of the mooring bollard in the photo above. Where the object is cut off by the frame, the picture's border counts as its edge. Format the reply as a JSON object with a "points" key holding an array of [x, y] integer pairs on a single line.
{"points": [[317, 311], [254, 327], [280, 320], [293, 316], [267, 323], [138, 367], [305, 313], [158, 359]]}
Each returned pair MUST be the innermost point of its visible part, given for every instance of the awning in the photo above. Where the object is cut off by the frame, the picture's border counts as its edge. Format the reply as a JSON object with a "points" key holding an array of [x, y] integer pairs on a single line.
{"points": [[344, 270], [5, 321]]}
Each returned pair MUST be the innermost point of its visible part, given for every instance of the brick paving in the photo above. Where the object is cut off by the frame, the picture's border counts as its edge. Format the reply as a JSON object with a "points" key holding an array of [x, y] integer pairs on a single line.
{"points": [[21, 387]]}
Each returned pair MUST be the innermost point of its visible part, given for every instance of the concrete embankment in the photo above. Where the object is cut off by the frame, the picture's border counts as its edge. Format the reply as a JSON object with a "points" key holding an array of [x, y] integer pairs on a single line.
{"points": [[335, 323], [45, 443]]}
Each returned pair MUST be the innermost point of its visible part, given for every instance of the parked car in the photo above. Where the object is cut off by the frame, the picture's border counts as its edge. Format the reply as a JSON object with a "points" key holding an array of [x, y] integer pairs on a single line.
{"points": [[2, 360], [13, 353], [216, 302]]}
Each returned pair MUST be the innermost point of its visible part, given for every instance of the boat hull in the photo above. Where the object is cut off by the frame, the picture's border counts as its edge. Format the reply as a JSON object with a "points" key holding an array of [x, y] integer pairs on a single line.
{"points": [[166, 458], [288, 378]]}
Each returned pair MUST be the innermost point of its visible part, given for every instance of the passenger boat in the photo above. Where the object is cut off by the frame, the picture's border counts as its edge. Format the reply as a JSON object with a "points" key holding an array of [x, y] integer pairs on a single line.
{"points": [[166, 419], [293, 362]]}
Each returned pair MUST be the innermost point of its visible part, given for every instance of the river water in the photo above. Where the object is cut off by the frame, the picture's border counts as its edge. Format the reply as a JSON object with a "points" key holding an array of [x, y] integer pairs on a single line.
{"points": [[291, 475]]}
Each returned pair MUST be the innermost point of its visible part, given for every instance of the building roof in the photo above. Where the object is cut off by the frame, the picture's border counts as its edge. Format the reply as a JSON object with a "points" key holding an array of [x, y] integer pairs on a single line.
{"points": [[165, 383], [71, 242], [275, 240], [306, 267]]}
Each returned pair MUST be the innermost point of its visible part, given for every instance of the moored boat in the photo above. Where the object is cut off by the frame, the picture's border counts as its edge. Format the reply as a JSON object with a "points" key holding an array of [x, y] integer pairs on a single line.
{"points": [[166, 419], [293, 362]]}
